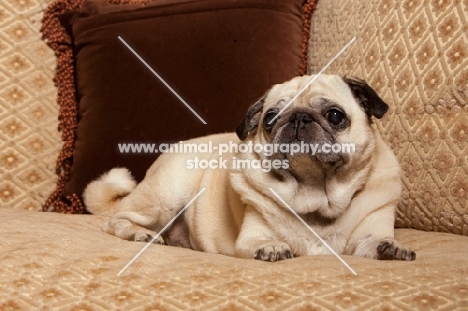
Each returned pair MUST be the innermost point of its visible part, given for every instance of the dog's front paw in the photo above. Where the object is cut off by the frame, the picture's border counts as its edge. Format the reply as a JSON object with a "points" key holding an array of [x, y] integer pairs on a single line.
{"points": [[146, 237], [273, 252], [389, 249]]}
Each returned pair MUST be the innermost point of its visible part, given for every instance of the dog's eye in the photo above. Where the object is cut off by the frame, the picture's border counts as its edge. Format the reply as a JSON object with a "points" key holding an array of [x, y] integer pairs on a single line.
{"points": [[269, 119], [335, 116]]}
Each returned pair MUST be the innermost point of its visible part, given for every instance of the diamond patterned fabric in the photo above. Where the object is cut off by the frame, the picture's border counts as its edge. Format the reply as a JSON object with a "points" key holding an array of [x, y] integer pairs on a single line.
{"points": [[29, 140], [415, 54], [65, 262], [52, 261]]}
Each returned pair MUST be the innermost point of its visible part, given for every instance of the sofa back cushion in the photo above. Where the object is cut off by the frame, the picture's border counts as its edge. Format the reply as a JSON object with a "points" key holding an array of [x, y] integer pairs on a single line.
{"points": [[415, 54]]}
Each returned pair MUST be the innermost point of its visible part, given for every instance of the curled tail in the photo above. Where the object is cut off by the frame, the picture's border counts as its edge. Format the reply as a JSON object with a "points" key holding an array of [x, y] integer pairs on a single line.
{"points": [[102, 195]]}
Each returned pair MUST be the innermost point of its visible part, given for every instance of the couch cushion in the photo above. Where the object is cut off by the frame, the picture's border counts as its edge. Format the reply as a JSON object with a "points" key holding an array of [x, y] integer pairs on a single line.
{"points": [[55, 261], [219, 56], [415, 54], [29, 140]]}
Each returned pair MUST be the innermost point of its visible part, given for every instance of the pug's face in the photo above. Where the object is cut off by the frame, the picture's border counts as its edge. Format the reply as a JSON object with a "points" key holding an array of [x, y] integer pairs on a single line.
{"points": [[330, 111]]}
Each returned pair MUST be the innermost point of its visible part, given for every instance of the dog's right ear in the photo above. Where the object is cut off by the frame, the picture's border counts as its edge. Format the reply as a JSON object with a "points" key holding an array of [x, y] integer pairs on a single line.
{"points": [[251, 120]]}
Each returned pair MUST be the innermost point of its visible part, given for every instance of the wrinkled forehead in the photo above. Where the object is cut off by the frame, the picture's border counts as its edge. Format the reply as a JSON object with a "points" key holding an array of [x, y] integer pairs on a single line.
{"points": [[329, 86]]}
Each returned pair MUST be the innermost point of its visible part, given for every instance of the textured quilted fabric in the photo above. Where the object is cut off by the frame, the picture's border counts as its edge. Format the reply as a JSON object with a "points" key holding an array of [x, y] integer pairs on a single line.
{"points": [[64, 262], [415, 54], [53, 261], [29, 140]]}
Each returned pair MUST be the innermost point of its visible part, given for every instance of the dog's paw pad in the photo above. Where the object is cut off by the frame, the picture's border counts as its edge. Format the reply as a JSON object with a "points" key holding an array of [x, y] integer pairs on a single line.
{"points": [[273, 253], [387, 250], [146, 237]]}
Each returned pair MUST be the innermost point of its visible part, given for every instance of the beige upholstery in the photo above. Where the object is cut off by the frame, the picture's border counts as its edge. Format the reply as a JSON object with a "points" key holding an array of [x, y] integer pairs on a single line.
{"points": [[65, 262], [29, 140], [52, 261], [415, 54]]}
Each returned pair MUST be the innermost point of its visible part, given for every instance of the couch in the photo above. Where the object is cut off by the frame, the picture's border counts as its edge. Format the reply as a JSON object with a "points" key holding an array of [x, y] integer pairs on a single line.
{"points": [[62, 261], [53, 261]]}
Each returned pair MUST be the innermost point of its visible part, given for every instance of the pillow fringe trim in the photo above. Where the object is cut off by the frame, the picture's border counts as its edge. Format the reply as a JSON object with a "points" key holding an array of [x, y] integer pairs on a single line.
{"points": [[308, 8], [58, 39]]}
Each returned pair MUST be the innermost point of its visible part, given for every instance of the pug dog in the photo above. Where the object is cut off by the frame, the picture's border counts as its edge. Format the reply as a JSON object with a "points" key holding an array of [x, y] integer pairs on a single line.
{"points": [[348, 198]]}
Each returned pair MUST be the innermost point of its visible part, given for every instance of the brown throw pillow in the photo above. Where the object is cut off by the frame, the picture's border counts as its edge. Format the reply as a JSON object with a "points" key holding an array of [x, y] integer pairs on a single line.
{"points": [[219, 56]]}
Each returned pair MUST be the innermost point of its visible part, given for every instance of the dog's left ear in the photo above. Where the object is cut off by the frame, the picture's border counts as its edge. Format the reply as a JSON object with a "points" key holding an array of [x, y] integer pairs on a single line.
{"points": [[371, 102], [251, 120]]}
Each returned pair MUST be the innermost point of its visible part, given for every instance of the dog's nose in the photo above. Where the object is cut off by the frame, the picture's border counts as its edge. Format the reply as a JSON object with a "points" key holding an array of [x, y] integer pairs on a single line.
{"points": [[300, 119]]}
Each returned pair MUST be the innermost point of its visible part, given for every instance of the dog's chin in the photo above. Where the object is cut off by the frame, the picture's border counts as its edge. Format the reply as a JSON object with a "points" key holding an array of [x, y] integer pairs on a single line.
{"points": [[307, 169], [332, 161]]}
